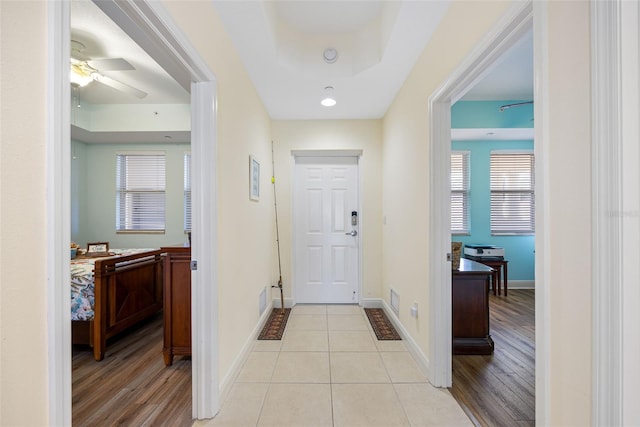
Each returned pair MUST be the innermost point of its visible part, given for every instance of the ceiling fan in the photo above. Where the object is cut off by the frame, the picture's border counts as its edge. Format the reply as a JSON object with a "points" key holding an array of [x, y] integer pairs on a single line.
{"points": [[85, 71]]}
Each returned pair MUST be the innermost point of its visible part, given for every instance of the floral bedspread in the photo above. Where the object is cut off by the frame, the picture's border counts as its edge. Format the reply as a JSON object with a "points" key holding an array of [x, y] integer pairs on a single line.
{"points": [[82, 292]]}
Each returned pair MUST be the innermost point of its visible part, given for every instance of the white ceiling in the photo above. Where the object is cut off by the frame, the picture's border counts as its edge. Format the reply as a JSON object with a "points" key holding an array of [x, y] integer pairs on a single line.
{"points": [[281, 44], [509, 78], [104, 39]]}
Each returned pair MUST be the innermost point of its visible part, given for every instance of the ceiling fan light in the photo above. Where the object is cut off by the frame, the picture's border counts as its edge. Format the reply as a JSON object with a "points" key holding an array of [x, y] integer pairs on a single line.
{"points": [[78, 78]]}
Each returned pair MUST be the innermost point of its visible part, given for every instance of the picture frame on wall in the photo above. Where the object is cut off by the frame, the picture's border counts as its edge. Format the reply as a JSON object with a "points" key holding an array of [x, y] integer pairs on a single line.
{"points": [[254, 178]]}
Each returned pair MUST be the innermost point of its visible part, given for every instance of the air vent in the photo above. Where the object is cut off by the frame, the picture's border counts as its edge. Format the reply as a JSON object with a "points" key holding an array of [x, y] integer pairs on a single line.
{"points": [[263, 300], [394, 301]]}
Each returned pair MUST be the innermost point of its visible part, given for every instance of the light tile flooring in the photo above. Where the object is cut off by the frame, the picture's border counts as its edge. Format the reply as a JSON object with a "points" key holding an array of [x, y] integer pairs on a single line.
{"points": [[330, 370]]}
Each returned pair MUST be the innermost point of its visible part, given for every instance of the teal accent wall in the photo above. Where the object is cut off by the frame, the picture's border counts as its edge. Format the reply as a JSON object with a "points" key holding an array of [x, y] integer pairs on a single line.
{"points": [[486, 114], [519, 250], [93, 197]]}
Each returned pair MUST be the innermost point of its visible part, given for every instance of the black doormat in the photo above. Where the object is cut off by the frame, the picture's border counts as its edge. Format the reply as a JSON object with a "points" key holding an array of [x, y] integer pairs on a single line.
{"points": [[274, 328], [381, 325]]}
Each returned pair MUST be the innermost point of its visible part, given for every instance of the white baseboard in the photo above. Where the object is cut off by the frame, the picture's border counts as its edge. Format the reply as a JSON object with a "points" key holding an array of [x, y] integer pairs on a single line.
{"points": [[412, 346], [522, 284], [228, 380]]}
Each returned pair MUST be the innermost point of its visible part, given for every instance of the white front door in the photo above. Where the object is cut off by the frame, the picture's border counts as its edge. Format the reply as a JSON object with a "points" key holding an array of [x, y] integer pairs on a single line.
{"points": [[325, 241]]}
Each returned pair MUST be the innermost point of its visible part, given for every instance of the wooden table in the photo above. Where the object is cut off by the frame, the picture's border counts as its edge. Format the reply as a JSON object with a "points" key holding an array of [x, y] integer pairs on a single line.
{"points": [[470, 308], [500, 271]]}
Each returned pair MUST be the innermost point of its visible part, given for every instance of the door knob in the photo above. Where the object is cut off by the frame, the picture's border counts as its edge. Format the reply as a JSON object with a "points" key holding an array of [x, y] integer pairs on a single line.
{"points": [[352, 233]]}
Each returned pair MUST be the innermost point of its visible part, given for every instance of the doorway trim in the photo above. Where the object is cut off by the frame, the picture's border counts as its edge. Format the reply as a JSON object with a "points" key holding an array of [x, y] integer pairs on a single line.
{"points": [[615, 61], [516, 21], [150, 25], [361, 229]]}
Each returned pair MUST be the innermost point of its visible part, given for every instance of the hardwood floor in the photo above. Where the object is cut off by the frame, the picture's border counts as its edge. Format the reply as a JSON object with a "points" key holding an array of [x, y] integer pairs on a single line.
{"points": [[131, 386], [499, 390]]}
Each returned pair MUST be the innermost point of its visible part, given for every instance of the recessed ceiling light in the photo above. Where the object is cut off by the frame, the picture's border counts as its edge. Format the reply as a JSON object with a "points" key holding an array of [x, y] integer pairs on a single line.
{"points": [[328, 100], [330, 55]]}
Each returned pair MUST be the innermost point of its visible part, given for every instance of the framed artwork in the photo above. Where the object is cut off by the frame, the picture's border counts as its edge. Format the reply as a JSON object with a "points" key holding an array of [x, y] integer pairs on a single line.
{"points": [[97, 249], [254, 179]]}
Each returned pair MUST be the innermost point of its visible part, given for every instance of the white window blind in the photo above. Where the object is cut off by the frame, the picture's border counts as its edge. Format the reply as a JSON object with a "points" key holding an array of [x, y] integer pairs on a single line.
{"points": [[187, 191], [512, 193], [140, 192], [460, 192]]}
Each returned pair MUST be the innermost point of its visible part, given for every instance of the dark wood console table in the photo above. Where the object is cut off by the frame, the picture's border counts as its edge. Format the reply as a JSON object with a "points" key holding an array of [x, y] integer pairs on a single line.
{"points": [[177, 302], [470, 308], [500, 272]]}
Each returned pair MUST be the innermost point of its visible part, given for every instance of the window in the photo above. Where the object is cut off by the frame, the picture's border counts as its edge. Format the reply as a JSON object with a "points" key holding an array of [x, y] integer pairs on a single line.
{"points": [[460, 192], [512, 193], [187, 191], [140, 194]]}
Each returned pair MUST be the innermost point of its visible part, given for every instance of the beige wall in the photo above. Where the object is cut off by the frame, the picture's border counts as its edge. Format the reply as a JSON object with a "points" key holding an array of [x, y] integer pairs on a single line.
{"points": [[245, 228], [23, 310], [365, 135], [569, 177], [405, 172], [406, 179]]}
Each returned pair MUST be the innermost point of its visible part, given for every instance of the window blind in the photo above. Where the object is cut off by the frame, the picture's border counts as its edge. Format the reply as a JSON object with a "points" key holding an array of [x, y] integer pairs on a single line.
{"points": [[187, 191], [460, 192], [512, 193], [140, 192]]}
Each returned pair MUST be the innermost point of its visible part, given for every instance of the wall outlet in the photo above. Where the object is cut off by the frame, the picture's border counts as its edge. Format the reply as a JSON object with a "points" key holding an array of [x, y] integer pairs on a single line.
{"points": [[414, 310]]}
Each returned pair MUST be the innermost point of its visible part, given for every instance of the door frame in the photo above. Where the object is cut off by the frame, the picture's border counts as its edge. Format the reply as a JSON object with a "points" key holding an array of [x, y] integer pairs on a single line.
{"points": [[615, 61], [148, 21], [294, 256], [519, 18]]}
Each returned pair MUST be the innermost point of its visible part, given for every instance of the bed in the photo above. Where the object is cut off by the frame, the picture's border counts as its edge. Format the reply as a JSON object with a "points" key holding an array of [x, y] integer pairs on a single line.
{"points": [[111, 294]]}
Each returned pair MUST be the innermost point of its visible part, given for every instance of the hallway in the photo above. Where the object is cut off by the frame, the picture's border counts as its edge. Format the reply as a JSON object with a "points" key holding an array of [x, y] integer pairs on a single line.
{"points": [[330, 370]]}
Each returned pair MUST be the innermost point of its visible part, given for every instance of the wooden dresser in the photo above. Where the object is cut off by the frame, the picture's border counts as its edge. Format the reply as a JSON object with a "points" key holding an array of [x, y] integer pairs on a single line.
{"points": [[470, 310], [177, 302]]}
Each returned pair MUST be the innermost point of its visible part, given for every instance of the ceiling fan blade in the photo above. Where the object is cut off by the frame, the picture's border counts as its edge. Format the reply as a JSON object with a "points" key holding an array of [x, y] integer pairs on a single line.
{"points": [[119, 85], [111, 64]]}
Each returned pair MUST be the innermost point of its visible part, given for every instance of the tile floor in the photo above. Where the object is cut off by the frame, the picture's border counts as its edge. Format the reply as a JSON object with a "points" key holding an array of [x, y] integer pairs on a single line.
{"points": [[330, 370]]}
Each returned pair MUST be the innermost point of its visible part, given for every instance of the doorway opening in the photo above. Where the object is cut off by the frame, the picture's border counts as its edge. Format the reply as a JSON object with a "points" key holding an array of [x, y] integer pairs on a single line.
{"points": [[152, 23], [514, 25]]}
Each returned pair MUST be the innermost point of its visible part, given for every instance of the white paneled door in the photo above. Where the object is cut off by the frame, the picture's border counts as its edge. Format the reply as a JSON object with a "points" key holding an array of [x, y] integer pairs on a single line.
{"points": [[326, 241]]}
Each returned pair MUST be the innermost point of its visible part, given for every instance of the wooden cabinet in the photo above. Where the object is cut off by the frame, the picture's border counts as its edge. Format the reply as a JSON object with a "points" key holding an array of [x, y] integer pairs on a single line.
{"points": [[470, 310], [177, 302]]}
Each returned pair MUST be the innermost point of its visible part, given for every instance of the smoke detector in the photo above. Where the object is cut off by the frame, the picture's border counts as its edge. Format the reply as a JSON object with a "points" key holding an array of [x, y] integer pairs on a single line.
{"points": [[330, 55]]}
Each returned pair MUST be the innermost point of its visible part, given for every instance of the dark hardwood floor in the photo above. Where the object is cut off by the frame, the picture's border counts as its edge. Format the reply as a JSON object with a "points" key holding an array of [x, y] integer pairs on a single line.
{"points": [[499, 390], [131, 386]]}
